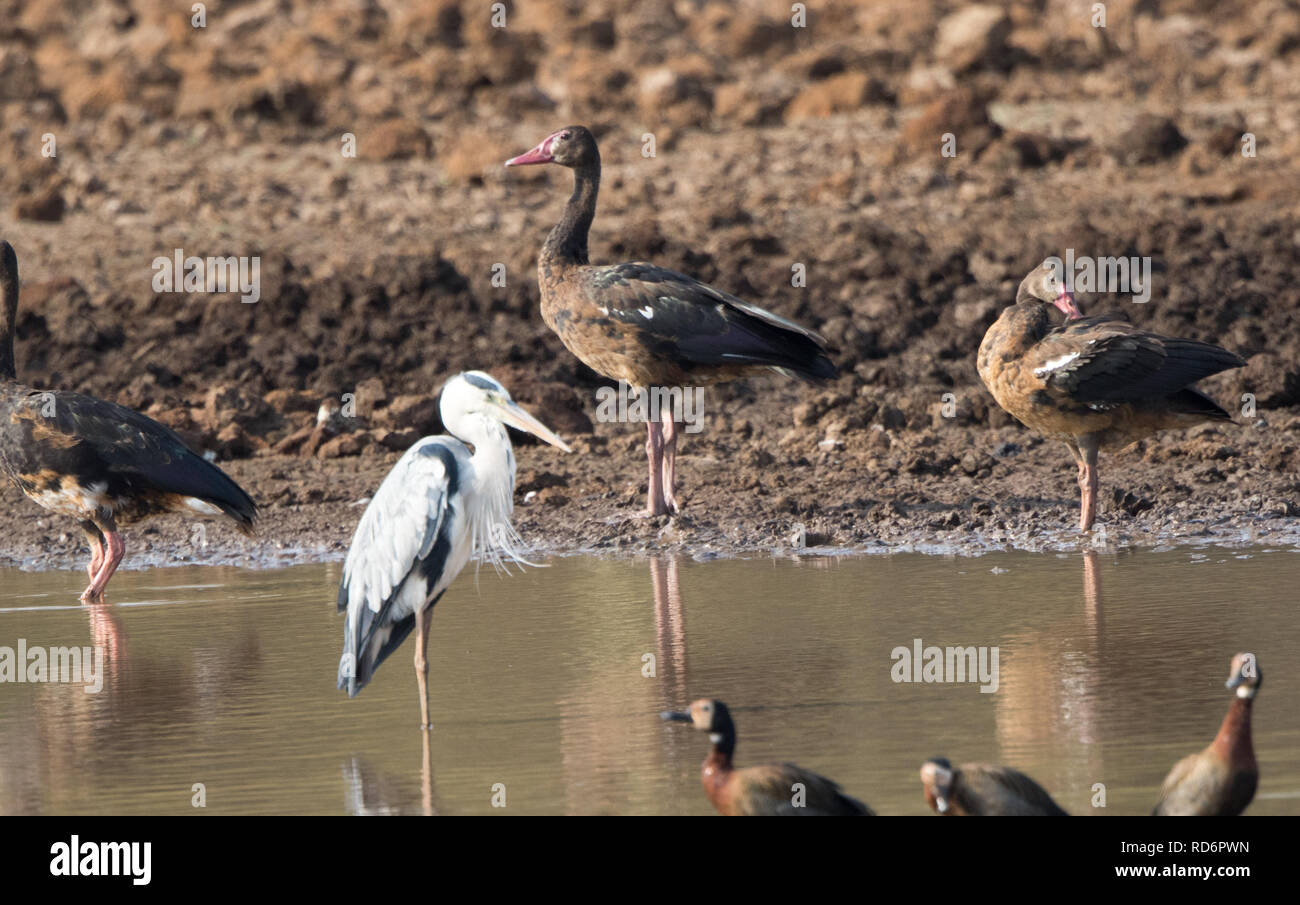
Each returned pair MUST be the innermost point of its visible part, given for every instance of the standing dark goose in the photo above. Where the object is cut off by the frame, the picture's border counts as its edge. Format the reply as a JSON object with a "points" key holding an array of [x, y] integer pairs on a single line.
{"points": [[767, 790], [1221, 780], [98, 462], [984, 790], [1096, 383], [648, 325]]}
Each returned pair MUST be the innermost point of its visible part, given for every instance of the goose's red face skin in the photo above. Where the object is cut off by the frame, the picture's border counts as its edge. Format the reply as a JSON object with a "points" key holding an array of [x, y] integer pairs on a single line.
{"points": [[1065, 301], [543, 153], [573, 147]]}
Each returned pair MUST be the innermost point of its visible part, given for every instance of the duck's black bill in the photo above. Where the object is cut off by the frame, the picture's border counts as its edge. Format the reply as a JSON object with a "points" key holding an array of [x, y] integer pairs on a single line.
{"points": [[676, 716]]}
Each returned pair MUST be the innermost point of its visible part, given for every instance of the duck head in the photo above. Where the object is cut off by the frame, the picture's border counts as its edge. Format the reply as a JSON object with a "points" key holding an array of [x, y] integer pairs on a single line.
{"points": [[707, 715], [937, 777], [1245, 676]]}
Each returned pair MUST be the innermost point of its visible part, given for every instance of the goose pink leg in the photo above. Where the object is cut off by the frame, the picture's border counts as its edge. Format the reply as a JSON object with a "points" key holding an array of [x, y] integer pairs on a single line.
{"points": [[654, 447], [1088, 482], [669, 467], [96, 555], [113, 551]]}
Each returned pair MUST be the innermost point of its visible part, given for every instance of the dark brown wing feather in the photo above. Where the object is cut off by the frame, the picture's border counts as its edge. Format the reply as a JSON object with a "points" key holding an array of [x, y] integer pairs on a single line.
{"points": [[769, 789], [997, 790], [96, 441], [1116, 362], [685, 320]]}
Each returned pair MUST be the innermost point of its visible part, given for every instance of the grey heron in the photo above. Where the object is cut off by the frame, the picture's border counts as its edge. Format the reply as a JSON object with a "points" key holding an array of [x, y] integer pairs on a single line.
{"points": [[440, 505]]}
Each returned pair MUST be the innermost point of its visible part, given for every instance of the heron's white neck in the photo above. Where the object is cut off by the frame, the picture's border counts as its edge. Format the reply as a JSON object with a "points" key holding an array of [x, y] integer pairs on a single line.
{"points": [[493, 462]]}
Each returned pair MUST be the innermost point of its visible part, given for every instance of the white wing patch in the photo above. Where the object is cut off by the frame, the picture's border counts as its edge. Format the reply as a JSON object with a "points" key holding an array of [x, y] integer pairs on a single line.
{"points": [[201, 507], [647, 312], [1055, 364]]}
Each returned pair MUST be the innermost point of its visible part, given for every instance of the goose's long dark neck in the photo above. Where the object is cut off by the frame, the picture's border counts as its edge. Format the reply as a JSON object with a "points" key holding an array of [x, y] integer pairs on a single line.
{"points": [[567, 243], [8, 324]]}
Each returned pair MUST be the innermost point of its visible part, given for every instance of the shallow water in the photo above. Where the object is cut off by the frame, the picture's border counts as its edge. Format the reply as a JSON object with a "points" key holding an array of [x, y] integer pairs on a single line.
{"points": [[1111, 668]]}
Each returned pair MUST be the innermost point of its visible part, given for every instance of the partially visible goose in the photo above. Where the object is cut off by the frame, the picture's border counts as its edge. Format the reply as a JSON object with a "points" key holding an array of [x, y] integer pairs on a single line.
{"points": [[984, 790], [767, 790], [1221, 780], [98, 462], [1096, 383], [650, 326]]}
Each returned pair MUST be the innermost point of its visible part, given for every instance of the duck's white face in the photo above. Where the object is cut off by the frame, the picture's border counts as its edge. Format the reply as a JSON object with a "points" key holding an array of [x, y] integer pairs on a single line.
{"points": [[1244, 675], [937, 780], [703, 714]]}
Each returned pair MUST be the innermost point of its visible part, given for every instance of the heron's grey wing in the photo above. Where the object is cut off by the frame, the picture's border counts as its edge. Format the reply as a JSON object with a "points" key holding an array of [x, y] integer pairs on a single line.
{"points": [[393, 541]]}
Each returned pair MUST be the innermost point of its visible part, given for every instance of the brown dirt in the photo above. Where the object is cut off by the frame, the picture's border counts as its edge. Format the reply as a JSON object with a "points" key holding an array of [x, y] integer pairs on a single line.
{"points": [[774, 147]]}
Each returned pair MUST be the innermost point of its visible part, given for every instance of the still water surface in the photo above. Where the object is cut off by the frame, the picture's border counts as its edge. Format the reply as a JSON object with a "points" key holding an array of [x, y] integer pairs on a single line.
{"points": [[1111, 668]]}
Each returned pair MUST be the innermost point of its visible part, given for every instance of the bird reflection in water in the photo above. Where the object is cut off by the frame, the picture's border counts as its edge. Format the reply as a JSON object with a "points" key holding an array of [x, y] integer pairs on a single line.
{"points": [[1050, 689], [606, 743], [107, 634], [670, 629], [370, 792]]}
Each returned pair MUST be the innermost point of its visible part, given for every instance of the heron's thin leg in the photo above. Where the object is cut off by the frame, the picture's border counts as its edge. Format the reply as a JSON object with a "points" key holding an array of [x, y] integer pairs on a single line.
{"points": [[670, 461], [1088, 483], [654, 447], [114, 550], [422, 620]]}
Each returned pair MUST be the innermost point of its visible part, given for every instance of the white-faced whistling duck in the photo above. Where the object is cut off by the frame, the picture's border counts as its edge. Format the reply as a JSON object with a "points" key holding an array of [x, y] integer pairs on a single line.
{"points": [[984, 790], [438, 506], [1094, 382], [768, 790], [97, 462], [1219, 781], [648, 325]]}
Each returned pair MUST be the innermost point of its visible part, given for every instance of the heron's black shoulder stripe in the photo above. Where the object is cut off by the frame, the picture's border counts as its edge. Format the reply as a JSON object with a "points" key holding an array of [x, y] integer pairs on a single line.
{"points": [[440, 451], [478, 381]]}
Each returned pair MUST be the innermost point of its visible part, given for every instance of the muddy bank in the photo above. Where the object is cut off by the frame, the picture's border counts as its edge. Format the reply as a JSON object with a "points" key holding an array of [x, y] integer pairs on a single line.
{"points": [[947, 490], [777, 151]]}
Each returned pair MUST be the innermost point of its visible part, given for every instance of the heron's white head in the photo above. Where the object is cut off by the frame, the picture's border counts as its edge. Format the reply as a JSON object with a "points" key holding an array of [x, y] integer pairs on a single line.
{"points": [[473, 400]]}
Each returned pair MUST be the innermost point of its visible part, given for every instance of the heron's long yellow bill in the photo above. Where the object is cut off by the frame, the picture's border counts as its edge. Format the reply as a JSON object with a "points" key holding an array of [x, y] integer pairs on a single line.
{"points": [[514, 416]]}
